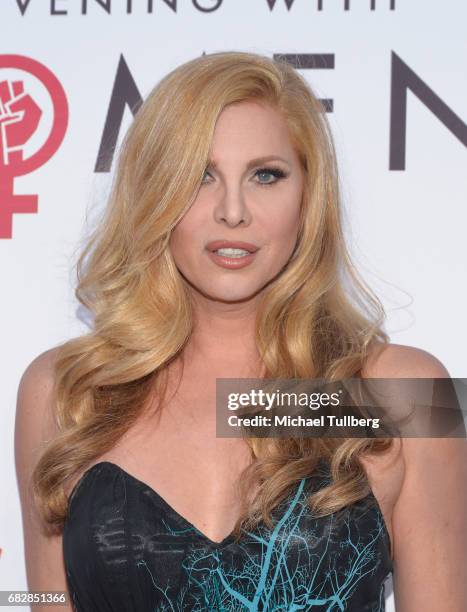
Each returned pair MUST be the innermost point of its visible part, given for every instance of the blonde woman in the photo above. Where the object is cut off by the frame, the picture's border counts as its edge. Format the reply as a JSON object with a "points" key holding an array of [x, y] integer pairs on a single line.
{"points": [[221, 255]]}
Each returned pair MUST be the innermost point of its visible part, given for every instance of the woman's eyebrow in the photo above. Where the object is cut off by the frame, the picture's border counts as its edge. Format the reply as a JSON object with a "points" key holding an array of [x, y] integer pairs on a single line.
{"points": [[255, 162]]}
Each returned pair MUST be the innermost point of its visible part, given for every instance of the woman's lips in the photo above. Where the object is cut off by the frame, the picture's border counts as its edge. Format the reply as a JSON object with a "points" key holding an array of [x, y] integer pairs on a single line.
{"points": [[232, 263], [232, 244]]}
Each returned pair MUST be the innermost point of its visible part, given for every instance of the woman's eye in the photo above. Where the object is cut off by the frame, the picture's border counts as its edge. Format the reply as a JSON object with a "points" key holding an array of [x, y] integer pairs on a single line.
{"points": [[202, 178], [276, 173]]}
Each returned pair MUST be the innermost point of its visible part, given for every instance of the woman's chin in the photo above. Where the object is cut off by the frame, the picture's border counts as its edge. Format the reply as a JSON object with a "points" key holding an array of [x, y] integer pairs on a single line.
{"points": [[231, 294]]}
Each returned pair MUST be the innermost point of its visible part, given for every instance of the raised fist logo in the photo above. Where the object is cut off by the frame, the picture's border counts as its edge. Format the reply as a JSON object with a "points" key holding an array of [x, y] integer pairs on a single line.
{"points": [[19, 118]]}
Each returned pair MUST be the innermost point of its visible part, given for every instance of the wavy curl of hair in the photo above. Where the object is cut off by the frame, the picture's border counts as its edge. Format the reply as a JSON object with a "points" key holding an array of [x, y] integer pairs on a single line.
{"points": [[309, 325]]}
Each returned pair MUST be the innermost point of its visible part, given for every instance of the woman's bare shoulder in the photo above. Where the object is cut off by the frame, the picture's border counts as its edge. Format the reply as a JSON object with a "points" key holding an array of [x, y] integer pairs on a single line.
{"points": [[34, 428], [402, 361], [34, 424], [427, 516], [39, 375], [387, 471], [40, 369]]}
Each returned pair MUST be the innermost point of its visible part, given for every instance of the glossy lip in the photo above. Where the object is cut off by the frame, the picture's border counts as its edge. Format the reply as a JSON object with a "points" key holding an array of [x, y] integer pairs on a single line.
{"points": [[231, 262], [233, 244]]}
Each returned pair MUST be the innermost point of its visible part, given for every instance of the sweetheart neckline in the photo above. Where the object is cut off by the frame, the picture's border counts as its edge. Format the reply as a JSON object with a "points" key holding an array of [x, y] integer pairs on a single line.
{"points": [[148, 487], [183, 519]]}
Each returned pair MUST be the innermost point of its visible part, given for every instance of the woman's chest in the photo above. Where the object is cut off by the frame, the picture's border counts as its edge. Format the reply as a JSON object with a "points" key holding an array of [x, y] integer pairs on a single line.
{"points": [[177, 454], [133, 544]]}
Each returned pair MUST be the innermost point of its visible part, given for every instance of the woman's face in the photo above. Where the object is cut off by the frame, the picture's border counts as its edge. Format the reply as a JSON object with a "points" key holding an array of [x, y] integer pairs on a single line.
{"points": [[242, 199]]}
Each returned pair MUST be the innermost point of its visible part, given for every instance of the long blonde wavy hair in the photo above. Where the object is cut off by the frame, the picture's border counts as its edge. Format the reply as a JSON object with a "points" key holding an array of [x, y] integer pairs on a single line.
{"points": [[308, 324]]}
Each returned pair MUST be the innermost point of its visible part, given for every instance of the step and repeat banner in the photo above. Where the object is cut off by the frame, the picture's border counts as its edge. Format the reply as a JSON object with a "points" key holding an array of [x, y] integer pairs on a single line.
{"points": [[391, 75]]}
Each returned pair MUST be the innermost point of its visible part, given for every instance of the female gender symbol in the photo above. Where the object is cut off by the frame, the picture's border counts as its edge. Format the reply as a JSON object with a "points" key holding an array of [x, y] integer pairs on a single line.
{"points": [[19, 118]]}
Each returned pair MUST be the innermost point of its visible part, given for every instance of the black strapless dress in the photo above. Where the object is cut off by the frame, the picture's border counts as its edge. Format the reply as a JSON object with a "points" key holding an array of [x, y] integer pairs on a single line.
{"points": [[127, 550]]}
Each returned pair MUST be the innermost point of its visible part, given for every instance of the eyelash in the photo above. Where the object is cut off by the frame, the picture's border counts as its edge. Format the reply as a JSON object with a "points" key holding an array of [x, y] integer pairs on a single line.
{"points": [[278, 173]]}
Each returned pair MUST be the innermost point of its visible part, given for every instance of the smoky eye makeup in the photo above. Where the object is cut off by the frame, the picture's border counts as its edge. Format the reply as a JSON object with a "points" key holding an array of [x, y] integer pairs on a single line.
{"points": [[275, 171]]}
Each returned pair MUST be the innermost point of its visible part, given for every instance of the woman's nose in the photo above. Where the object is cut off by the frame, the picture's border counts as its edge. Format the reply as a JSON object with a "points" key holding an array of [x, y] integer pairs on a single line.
{"points": [[232, 207]]}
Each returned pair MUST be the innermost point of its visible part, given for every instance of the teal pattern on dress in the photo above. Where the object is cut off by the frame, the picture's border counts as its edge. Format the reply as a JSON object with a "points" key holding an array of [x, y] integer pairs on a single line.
{"points": [[127, 549], [280, 569]]}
